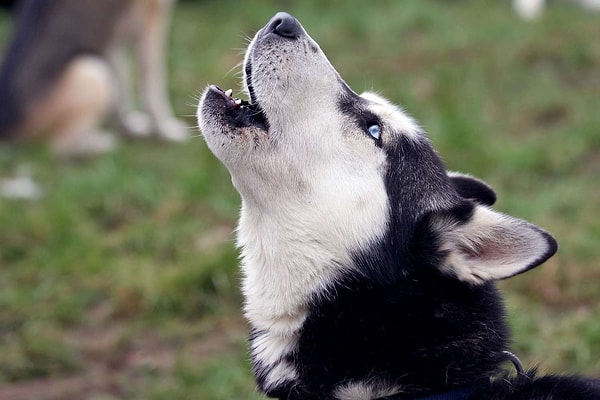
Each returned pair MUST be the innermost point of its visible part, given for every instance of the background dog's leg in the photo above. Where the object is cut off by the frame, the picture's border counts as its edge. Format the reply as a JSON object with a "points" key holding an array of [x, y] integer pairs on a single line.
{"points": [[131, 122], [76, 107], [591, 5], [529, 9], [150, 48]]}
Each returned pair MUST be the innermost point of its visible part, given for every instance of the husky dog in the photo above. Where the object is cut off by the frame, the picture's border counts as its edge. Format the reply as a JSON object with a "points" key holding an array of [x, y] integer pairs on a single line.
{"points": [[368, 270], [63, 70]]}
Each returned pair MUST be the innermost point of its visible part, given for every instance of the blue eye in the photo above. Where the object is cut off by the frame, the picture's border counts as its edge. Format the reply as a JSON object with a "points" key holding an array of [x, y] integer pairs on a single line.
{"points": [[375, 131]]}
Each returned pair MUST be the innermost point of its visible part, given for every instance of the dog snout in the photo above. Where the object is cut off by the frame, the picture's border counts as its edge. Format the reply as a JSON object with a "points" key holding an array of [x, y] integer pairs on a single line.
{"points": [[283, 24]]}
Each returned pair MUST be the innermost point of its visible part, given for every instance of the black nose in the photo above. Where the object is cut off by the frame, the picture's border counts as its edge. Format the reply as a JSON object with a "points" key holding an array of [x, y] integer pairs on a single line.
{"points": [[283, 24]]}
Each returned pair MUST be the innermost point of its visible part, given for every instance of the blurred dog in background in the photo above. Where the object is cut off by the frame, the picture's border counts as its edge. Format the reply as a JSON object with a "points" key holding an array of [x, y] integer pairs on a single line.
{"points": [[66, 68], [532, 9]]}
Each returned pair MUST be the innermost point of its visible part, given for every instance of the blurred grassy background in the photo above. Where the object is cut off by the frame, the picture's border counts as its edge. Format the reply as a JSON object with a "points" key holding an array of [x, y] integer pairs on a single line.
{"points": [[121, 282]]}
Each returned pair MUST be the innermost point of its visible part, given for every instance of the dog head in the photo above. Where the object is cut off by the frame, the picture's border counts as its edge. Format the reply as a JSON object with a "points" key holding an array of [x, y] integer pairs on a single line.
{"points": [[328, 176]]}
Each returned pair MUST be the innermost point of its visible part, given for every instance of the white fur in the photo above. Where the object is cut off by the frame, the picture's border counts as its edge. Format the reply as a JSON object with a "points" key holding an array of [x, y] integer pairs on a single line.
{"points": [[271, 345], [294, 242], [312, 186], [396, 118], [365, 391], [279, 374], [293, 246], [457, 174]]}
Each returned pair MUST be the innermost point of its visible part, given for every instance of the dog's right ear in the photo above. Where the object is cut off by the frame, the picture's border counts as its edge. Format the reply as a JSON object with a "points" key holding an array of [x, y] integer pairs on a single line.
{"points": [[477, 244], [472, 188]]}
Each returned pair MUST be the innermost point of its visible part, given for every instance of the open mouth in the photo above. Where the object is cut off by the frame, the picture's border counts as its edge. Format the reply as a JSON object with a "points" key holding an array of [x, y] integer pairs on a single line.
{"points": [[241, 113]]}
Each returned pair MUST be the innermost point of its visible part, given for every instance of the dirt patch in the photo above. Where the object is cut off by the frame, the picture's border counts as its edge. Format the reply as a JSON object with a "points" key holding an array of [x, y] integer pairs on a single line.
{"points": [[117, 361]]}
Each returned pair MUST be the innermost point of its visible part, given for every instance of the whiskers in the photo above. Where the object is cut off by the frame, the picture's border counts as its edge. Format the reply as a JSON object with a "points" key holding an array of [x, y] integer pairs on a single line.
{"points": [[195, 128], [247, 38], [192, 128], [237, 68]]}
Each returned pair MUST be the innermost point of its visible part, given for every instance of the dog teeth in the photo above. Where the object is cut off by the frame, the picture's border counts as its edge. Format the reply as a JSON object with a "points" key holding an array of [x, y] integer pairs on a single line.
{"points": [[229, 92], [238, 101]]}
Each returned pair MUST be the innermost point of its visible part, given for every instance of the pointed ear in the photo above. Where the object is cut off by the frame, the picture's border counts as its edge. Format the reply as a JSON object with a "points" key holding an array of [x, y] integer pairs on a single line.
{"points": [[472, 188], [480, 245]]}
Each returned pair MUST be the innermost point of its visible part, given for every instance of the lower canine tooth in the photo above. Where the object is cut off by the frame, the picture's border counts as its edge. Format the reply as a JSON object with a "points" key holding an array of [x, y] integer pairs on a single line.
{"points": [[238, 101], [228, 92]]}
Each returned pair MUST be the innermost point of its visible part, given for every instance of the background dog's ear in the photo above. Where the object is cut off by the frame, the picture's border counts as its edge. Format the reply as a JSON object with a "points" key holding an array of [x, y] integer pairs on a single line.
{"points": [[480, 245], [472, 188]]}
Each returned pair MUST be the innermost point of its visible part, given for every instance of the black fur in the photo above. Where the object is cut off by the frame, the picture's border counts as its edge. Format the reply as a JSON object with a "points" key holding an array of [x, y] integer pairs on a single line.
{"points": [[531, 387], [472, 188]]}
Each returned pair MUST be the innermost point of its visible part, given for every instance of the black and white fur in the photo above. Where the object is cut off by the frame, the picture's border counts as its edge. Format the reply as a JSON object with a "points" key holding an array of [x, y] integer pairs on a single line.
{"points": [[368, 270]]}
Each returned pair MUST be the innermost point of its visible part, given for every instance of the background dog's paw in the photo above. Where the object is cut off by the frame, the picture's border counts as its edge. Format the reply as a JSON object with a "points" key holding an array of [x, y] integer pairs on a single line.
{"points": [[137, 124], [20, 186], [84, 146], [173, 130]]}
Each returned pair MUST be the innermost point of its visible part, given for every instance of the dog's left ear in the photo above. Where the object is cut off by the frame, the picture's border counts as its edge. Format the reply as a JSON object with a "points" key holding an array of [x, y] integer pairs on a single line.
{"points": [[469, 187], [478, 244]]}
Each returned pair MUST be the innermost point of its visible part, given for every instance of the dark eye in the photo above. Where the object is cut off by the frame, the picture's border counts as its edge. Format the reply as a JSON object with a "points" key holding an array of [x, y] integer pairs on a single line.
{"points": [[374, 131]]}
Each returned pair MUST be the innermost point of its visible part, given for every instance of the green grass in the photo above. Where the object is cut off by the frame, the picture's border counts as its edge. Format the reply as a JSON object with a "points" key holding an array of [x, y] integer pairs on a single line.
{"points": [[127, 263]]}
